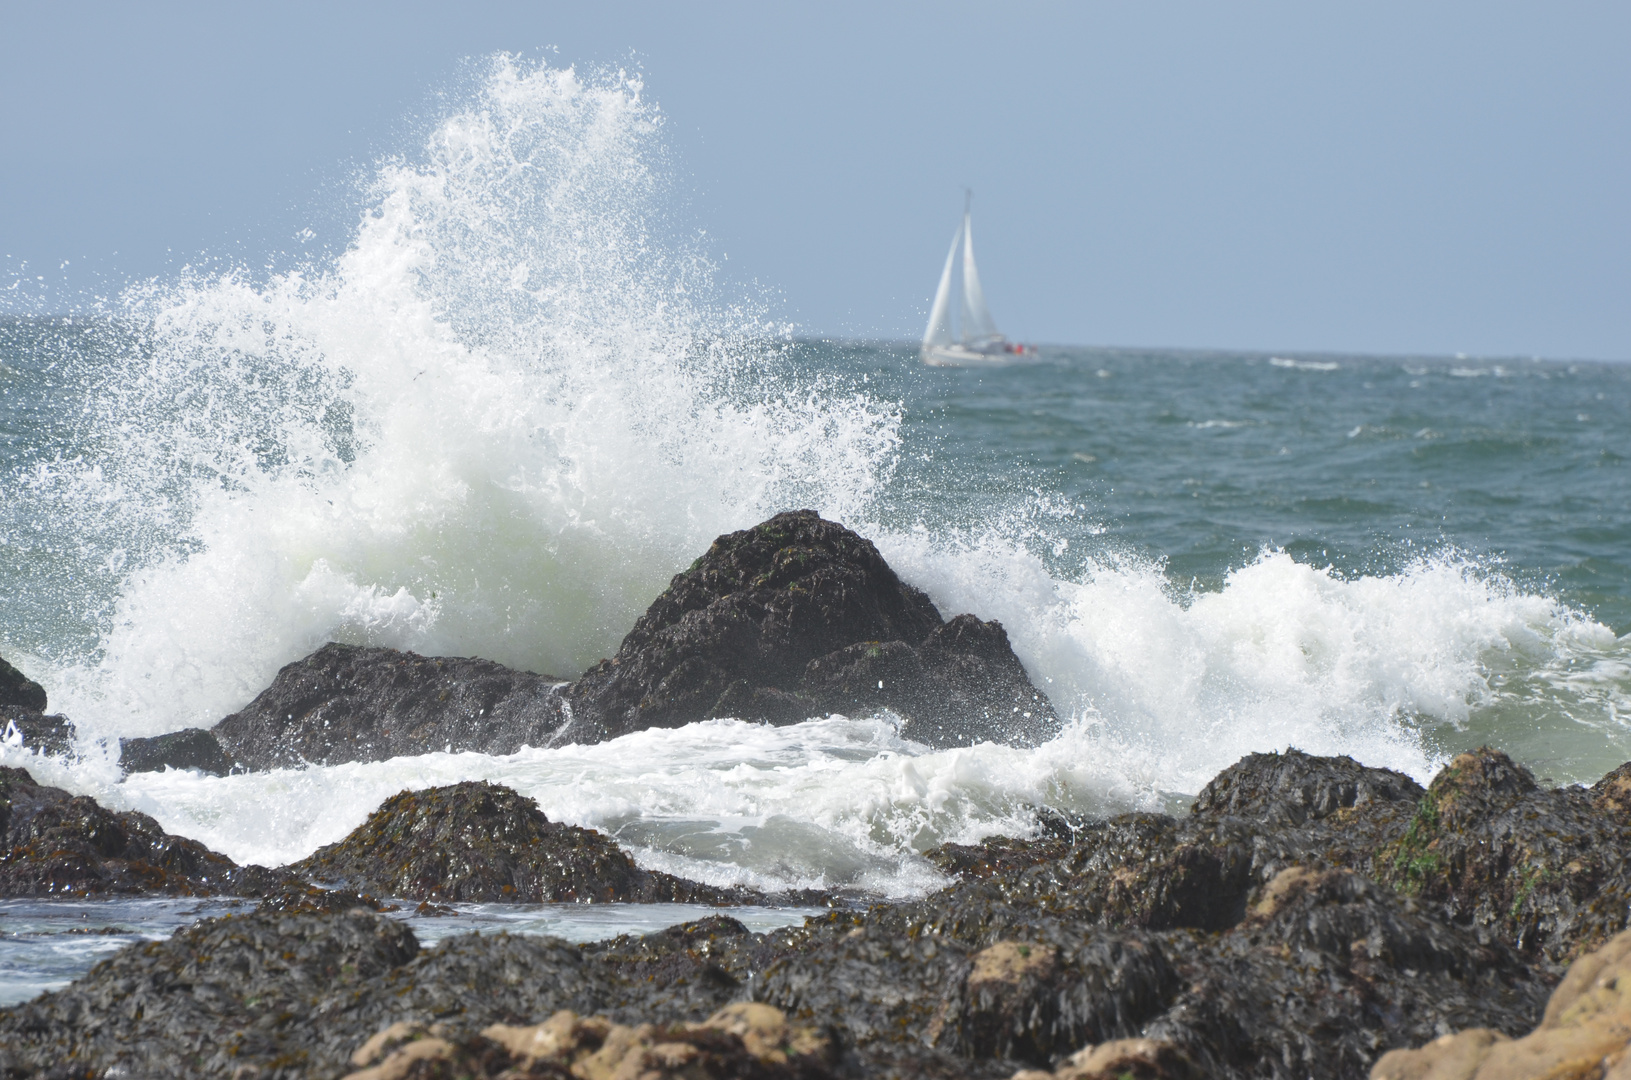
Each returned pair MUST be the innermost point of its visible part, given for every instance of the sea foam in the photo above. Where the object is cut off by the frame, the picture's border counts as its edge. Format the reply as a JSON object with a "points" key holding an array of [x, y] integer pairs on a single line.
{"points": [[516, 404]]}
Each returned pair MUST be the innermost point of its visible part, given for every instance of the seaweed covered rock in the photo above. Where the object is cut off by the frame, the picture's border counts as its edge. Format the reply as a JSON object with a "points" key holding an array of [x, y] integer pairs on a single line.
{"points": [[1293, 788], [255, 990], [1328, 971], [1246, 940], [56, 844], [350, 703], [1548, 870], [477, 841], [297, 995], [1585, 1032], [799, 616]]}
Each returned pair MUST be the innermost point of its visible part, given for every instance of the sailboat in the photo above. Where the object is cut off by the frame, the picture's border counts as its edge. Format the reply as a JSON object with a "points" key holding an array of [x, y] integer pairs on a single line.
{"points": [[980, 342]]}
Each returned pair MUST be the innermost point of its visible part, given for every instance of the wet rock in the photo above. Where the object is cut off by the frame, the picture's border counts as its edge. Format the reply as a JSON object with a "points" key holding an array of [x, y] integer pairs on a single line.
{"points": [[23, 719], [1329, 971], [796, 617], [53, 735], [220, 995], [300, 897], [1546, 870], [18, 691], [192, 748], [478, 841], [1293, 788], [56, 844], [1585, 1032], [1242, 940], [1133, 870], [349, 703]]}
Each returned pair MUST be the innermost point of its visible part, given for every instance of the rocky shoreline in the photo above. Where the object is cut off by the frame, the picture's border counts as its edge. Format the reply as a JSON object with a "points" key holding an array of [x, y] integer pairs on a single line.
{"points": [[1308, 916]]}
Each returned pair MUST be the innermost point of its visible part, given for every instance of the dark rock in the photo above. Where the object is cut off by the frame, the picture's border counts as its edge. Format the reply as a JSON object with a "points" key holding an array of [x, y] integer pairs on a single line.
{"points": [[800, 616], [256, 990], [19, 691], [1548, 871], [1294, 787], [1243, 940], [1330, 971], [299, 897], [53, 735], [478, 841], [56, 844], [1612, 794], [192, 748], [349, 703], [1134, 870]]}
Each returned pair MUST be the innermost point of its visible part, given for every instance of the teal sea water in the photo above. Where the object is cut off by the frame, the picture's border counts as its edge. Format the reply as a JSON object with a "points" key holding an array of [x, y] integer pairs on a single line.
{"points": [[516, 404]]}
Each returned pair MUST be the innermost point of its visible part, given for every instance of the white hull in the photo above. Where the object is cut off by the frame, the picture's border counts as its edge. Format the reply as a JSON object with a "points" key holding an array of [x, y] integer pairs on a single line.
{"points": [[962, 356], [981, 343]]}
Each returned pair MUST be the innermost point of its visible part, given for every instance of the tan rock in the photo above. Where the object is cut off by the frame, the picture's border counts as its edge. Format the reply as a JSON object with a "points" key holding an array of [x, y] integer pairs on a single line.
{"points": [[1448, 1057], [1009, 962], [401, 1061], [1122, 1059], [1286, 885], [1584, 1035], [382, 1042], [565, 1035], [594, 1048], [766, 1034]]}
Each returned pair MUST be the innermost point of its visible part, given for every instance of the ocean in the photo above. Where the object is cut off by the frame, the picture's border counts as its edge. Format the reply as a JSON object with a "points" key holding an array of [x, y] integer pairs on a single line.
{"points": [[519, 401]]}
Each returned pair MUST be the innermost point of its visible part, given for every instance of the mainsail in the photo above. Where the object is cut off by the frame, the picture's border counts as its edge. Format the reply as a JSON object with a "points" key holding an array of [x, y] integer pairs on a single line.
{"points": [[978, 337], [977, 325], [939, 330]]}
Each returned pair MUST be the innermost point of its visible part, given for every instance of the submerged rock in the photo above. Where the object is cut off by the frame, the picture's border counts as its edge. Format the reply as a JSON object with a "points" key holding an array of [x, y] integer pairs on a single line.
{"points": [[796, 617], [53, 844], [350, 703], [478, 841]]}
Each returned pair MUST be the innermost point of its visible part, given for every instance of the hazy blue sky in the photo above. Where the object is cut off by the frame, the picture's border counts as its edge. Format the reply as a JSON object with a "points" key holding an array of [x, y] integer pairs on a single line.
{"points": [[1388, 177]]}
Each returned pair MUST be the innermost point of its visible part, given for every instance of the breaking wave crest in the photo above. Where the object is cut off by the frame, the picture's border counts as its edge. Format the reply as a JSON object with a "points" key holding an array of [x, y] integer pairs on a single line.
{"points": [[516, 404]]}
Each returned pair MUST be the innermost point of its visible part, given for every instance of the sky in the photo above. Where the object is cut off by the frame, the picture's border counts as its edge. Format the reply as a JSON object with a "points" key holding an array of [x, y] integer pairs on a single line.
{"points": [[1352, 177]]}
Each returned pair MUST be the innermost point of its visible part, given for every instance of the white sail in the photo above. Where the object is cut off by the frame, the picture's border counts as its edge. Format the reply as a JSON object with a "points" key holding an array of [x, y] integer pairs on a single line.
{"points": [[939, 329], [977, 324]]}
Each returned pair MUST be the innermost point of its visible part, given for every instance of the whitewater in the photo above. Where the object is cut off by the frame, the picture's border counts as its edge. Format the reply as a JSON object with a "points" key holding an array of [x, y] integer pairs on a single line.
{"points": [[519, 401]]}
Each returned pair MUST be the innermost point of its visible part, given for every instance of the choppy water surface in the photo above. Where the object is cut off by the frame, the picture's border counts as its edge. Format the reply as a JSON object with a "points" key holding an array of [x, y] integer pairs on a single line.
{"points": [[515, 406]]}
